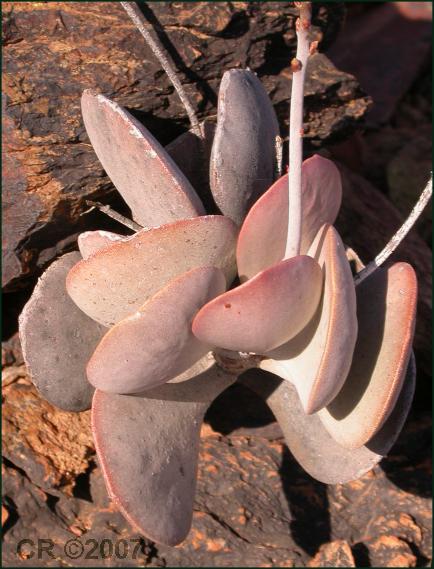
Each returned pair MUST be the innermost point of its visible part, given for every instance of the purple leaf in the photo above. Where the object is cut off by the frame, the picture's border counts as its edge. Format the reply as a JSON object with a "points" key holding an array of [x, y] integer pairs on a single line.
{"points": [[90, 242], [57, 339], [147, 178], [115, 282], [264, 312], [386, 312], [262, 239], [156, 343], [310, 443], [318, 359], [148, 449], [243, 157]]}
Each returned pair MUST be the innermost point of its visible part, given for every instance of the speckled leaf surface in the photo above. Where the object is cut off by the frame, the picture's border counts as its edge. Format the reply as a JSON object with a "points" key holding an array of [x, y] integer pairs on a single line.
{"points": [[148, 449], [310, 443], [145, 175], [156, 343], [264, 312], [318, 359], [263, 235], [243, 154], [386, 312], [57, 339], [90, 242], [115, 282]]}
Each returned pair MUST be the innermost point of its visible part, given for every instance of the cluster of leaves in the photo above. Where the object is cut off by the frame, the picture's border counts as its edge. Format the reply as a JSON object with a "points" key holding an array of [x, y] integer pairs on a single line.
{"points": [[144, 318]]}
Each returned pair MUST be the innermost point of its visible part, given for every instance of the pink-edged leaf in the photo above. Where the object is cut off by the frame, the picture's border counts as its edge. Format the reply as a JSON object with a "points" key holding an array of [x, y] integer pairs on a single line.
{"points": [[57, 339], [145, 175], [148, 449], [386, 312], [90, 242], [114, 282], [263, 235], [310, 443], [156, 343], [243, 157], [264, 312], [318, 359], [192, 156]]}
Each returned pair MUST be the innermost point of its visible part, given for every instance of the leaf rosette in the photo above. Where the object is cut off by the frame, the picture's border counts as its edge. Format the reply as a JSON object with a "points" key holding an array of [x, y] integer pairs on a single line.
{"points": [[148, 319]]}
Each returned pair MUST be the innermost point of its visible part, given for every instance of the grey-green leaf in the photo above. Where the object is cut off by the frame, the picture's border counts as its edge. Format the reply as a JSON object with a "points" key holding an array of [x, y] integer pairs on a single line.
{"points": [[310, 443], [58, 339], [148, 449], [243, 156]]}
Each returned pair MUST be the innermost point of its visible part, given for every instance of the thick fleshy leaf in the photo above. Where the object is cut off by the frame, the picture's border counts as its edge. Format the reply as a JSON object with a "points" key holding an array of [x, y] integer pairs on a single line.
{"points": [[318, 359], [263, 235], [145, 175], [192, 156], [148, 449], [115, 282], [57, 339], [264, 312], [90, 242], [243, 157], [386, 312], [310, 443], [156, 343]]}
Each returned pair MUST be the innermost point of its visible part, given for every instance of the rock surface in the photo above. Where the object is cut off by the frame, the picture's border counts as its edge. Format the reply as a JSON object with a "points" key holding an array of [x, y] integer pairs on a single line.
{"points": [[366, 222], [53, 51], [254, 505], [370, 40], [334, 554]]}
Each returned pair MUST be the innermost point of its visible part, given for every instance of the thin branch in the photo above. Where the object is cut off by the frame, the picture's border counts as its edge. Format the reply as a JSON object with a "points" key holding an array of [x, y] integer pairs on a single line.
{"points": [[298, 66], [279, 156], [163, 57], [399, 235], [114, 215]]}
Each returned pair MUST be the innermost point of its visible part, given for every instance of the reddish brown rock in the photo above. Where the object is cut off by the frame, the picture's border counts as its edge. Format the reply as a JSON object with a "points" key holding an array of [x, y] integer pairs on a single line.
{"points": [[370, 41], [56, 50], [334, 554], [407, 174], [11, 351], [52, 447], [254, 505], [5, 515], [366, 222], [390, 551]]}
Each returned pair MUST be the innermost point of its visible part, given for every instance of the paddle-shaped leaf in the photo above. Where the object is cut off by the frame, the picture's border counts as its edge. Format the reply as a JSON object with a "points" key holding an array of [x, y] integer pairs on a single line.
{"points": [[114, 282], [156, 343], [318, 359], [386, 312], [57, 339], [264, 312], [90, 242], [263, 235], [243, 157], [147, 178], [148, 449], [310, 443]]}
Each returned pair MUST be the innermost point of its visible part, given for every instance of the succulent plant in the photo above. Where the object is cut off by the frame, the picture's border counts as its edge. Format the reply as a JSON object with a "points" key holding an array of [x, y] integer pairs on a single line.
{"points": [[156, 324]]}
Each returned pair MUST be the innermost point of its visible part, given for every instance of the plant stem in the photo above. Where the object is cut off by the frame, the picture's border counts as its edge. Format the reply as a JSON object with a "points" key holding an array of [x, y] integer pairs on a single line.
{"points": [[399, 235], [279, 156], [114, 215], [236, 362], [163, 57], [298, 65]]}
